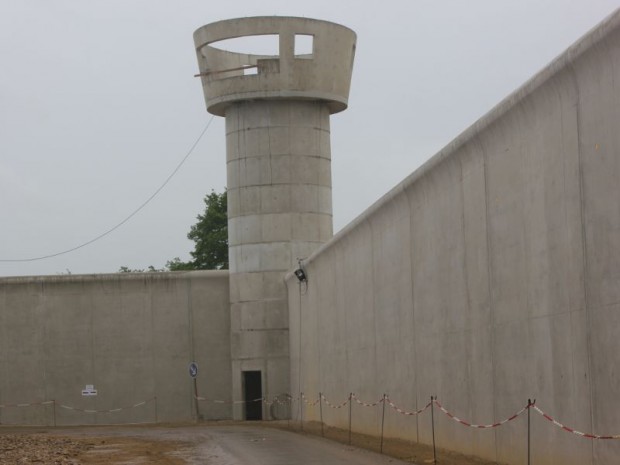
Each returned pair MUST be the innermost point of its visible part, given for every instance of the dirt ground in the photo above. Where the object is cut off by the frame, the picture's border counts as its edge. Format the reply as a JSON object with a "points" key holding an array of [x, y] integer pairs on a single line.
{"points": [[404, 450], [120, 445], [25, 446]]}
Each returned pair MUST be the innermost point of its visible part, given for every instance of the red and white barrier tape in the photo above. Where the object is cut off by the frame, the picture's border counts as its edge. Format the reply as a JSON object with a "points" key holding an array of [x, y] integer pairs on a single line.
{"points": [[32, 404], [493, 425], [404, 412], [139, 404], [278, 401], [310, 403], [260, 399], [330, 405], [571, 430], [204, 399], [366, 404]]}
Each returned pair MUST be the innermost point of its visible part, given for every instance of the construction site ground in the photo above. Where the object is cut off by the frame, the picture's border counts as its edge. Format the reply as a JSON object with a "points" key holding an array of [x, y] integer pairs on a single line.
{"points": [[201, 443]]}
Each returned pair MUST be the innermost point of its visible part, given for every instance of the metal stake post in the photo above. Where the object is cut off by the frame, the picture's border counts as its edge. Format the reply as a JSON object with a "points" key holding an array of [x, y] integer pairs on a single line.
{"points": [[196, 400], [301, 410], [529, 430], [433, 427], [290, 411], [382, 423], [350, 407], [54, 411], [321, 412]]}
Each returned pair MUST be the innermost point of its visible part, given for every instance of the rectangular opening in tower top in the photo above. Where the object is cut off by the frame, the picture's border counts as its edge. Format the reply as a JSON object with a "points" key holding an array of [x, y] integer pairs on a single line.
{"points": [[304, 46], [263, 45]]}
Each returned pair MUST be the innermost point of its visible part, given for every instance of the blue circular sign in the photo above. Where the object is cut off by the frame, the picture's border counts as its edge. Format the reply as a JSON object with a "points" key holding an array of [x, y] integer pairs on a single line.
{"points": [[193, 369]]}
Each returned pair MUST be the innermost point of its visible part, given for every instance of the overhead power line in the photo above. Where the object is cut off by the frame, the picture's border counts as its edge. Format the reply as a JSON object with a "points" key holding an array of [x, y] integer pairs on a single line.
{"points": [[130, 216]]}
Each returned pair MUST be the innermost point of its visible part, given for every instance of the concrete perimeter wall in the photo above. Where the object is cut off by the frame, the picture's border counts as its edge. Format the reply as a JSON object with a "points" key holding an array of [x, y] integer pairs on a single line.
{"points": [[489, 276], [130, 335]]}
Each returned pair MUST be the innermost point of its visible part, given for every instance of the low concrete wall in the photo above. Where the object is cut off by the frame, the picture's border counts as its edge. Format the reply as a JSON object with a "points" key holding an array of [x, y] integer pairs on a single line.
{"points": [[130, 335], [489, 276]]}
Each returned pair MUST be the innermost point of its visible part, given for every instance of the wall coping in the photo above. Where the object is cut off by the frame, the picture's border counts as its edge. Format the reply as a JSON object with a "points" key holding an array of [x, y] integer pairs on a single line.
{"points": [[89, 278], [597, 34]]}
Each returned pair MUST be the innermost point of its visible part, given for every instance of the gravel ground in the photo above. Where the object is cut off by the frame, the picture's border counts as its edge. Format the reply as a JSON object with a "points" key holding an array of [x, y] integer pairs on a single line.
{"points": [[41, 449]]}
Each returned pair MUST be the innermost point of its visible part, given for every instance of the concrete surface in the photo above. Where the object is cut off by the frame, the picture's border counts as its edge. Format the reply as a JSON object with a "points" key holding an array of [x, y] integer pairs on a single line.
{"points": [[489, 276], [130, 335], [246, 445], [279, 173], [324, 74]]}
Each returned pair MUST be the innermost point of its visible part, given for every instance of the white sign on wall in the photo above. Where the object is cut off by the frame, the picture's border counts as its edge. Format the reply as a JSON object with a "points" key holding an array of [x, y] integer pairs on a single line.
{"points": [[89, 390]]}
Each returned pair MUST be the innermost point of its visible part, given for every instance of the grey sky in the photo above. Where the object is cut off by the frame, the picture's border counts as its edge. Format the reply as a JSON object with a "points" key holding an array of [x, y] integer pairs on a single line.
{"points": [[98, 104]]}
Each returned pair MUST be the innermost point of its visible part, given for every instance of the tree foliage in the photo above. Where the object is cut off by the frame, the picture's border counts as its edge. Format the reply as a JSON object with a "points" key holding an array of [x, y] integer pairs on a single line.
{"points": [[126, 269], [210, 235]]}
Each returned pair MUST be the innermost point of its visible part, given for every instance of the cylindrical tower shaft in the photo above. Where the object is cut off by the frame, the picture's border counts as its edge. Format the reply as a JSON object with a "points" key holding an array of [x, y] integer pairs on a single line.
{"points": [[279, 206], [279, 175]]}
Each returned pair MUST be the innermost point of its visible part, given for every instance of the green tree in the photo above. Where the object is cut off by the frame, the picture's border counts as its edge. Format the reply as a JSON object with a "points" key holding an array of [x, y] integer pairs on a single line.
{"points": [[177, 265], [126, 269], [210, 234]]}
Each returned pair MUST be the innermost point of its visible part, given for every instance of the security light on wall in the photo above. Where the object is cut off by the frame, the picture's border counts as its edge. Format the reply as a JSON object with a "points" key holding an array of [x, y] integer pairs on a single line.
{"points": [[301, 275]]}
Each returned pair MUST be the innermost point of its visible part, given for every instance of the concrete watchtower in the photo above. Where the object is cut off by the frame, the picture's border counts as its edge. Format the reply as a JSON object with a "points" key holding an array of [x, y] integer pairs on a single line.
{"points": [[277, 111]]}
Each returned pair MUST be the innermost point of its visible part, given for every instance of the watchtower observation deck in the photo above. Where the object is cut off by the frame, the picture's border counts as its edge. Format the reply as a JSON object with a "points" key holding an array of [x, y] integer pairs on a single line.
{"points": [[323, 74]]}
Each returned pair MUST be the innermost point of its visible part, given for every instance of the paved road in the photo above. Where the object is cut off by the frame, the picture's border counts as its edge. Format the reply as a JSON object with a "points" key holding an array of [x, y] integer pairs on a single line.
{"points": [[251, 445], [242, 444]]}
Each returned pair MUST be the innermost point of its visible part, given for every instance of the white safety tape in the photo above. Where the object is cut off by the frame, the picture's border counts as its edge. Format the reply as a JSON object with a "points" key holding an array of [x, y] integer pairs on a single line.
{"points": [[329, 404], [77, 409], [571, 430], [492, 425], [405, 412], [32, 404], [337, 406], [308, 402], [366, 404]]}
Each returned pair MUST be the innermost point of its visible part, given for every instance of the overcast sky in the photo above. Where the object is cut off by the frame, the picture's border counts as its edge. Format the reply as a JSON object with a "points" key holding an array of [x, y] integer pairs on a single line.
{"points": [[98, 104]]}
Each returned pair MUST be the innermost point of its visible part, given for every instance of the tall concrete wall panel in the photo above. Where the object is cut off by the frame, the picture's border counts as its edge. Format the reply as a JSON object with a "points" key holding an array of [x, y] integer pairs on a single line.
{"points": [[129, 335], [489, 276]]}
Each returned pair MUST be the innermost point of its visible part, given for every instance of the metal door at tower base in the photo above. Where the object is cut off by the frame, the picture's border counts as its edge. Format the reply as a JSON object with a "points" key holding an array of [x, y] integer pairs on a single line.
{"points": [[253, 395]]}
